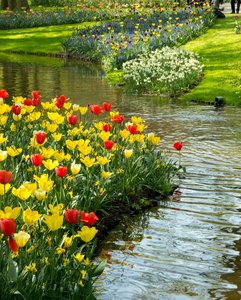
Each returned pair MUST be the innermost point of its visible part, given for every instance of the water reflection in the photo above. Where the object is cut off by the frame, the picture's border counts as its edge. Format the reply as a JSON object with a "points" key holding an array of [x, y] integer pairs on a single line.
{"points": [[189, 247]]}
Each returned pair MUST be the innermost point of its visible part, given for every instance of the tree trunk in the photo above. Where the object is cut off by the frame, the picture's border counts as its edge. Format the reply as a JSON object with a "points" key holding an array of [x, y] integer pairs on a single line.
{"points": [[14, 4]]}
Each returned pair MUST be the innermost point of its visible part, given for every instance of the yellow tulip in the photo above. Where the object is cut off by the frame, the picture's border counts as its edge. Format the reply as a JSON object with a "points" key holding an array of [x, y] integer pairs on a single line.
{"points": [[3, 155], [78, 257], [57, 210], [75, 107], [17, 117], [57, 136], [13, 151], [22, 193], [83, 110], [40, 194], [9, 213], [52, 127], [85, 150], [68, 241], [2, 139], [21, 238], [46, 105], [104, 135], [59, 156], [89, 162], [136, 120], [30, 217], [44, 183], [47, 153], [54, 222], [128, 153], [154, 140], [50, 165], [32, 187], [102, 160], [141, 127], [106, 174], [124, 133], [87, 234], [34, 116], [71, 144], [75, 168], [3, 120], [67, 105]]}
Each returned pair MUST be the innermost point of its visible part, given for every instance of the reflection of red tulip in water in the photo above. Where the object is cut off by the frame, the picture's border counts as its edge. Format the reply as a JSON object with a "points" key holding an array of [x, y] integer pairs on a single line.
{"points": [[3, 94], [107, 127], [177, 146], [40, 137], [13, 244], [117, 119], [108, 144], [36, 159], [176, 196], [133, 129], [95, 109], [71, 215], [16, 109], [88, 218], [61, 171], [5, 177], [73, 119], [106, 106], [7, 226]]}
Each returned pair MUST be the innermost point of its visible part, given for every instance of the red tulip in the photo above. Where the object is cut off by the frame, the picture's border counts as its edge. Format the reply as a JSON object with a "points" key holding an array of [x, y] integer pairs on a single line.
{"points": [[40, 137], [5, 177], [27, 102], [108, 144], [107, 127], [13, 244], [117, 119], [60, 101], [95, 109], [71, 215], [7, 226], [106, 106], [36, 101], [36, 95], [16, 109], [133, 129], [36, 159], [177, 146], [61, 171], [88, 219], [3, 94], [73, 119]]}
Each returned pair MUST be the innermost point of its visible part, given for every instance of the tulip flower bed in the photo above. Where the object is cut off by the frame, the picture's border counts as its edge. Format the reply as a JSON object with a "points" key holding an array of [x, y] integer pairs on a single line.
{"points": [[114, 43], [58, 172]]}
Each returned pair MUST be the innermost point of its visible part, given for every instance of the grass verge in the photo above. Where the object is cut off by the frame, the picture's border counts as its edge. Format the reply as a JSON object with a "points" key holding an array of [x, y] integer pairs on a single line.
{"points": [[38, 39], [219, 50]]}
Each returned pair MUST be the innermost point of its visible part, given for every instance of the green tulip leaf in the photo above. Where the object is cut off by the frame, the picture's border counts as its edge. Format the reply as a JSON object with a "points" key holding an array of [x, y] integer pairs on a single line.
{"points": [[13, 270], [100, 268]]}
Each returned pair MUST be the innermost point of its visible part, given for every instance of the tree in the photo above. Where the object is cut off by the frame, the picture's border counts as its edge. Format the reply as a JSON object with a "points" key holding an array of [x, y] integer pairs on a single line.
{"points": [[14, 4]]}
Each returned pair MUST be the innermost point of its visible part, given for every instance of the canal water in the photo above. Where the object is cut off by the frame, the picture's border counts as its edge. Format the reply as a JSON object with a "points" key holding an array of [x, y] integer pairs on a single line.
{"points": [[189, 246]]}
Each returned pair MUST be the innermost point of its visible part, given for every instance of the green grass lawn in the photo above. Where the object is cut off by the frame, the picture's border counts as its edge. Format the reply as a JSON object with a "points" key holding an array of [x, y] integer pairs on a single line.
{"points": [[38, 39], [220, 51]]}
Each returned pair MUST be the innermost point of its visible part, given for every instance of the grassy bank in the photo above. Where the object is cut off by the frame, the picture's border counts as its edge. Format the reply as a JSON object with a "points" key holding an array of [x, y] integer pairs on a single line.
{"points": [[39, 39], [219, 49]]}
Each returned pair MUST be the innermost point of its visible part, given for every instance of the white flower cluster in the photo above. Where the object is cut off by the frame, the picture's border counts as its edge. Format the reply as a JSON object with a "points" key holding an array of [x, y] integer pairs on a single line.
{"points": [[169, 70]]}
